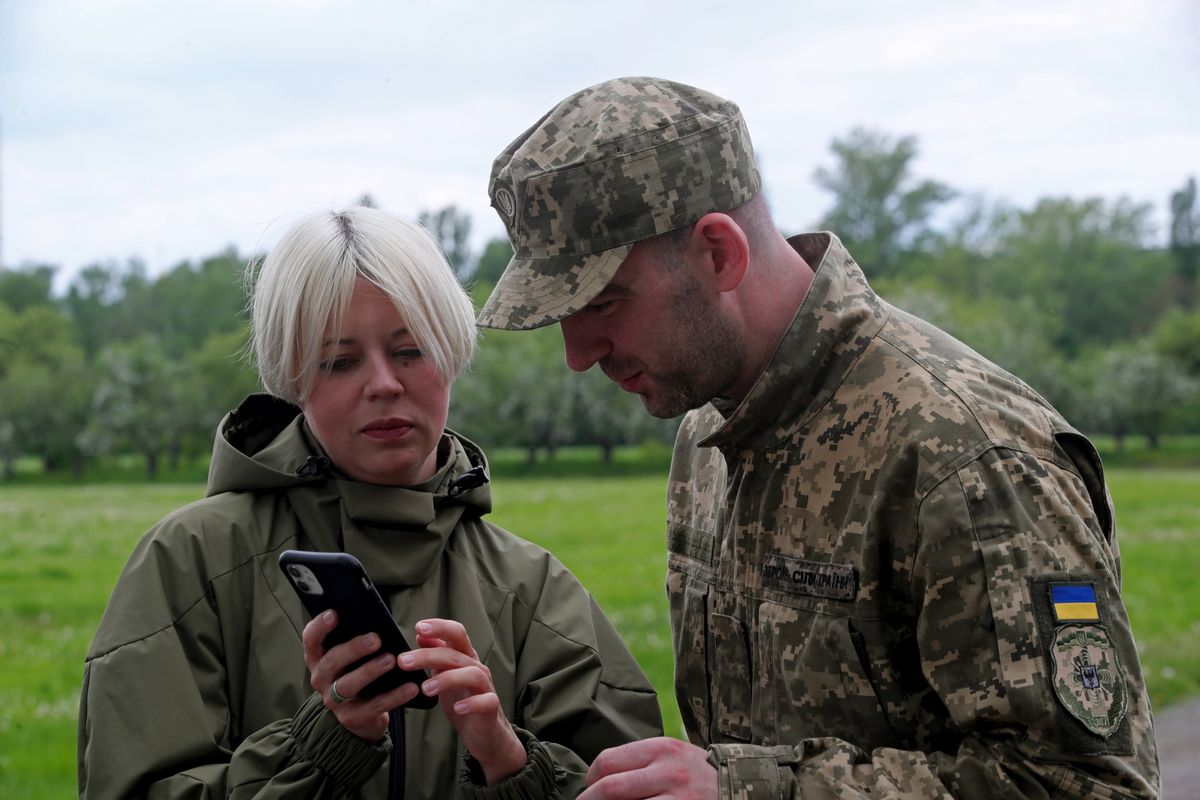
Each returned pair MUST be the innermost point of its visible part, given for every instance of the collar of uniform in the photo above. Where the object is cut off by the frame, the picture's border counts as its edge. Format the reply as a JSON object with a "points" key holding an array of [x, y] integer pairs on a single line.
{"points": [[832, 327]]}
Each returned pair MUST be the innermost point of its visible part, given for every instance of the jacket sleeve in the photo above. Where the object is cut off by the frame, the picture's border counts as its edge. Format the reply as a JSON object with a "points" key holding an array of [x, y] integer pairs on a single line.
{"points": [[582, 692], [1036, 714], [154, 717]]}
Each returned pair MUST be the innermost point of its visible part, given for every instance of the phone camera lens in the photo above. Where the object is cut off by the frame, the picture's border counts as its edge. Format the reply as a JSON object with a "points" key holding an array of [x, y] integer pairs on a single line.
{"points": [[294, 571], [303, 586]]}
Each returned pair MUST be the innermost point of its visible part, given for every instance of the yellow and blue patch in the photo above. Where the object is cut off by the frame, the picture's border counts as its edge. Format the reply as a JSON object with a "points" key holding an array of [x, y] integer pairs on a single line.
{"points": [[1074, 602]]}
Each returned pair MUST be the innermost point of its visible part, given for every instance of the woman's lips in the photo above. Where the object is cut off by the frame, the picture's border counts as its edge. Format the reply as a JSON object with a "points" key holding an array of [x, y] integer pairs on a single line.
{"points": [[388, 430]]}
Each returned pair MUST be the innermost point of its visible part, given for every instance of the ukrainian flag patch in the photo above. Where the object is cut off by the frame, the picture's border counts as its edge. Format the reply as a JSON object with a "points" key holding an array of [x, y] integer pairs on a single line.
{"points": [[1074, 602]]}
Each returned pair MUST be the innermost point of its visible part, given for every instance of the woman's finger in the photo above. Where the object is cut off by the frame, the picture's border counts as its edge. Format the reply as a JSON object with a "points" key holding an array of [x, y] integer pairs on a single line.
{"points": [[436, 658], [451, 631], [350, 684], [313, 637]]}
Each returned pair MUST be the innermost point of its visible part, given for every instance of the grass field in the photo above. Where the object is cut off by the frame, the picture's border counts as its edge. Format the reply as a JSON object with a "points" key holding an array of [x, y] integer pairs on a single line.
{"points": [[62, 547]]}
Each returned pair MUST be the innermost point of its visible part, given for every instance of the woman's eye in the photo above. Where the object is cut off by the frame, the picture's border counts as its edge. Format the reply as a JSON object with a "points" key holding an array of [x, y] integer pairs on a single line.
{"points": [[337, 364], [408, 352]]}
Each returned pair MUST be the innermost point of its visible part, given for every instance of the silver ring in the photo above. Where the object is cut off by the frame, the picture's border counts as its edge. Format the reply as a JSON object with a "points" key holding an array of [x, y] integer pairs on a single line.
{"points": [[335, 697]]}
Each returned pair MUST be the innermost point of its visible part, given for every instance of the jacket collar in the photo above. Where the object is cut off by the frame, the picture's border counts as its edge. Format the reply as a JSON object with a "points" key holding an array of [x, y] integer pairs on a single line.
{"points": [[833, 326], [401, 531], [397, 532]]}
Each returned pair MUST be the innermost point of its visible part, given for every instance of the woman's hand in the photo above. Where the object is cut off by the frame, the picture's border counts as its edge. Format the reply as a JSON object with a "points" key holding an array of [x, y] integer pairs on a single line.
{"points": [[467, 696], [366, 718]]}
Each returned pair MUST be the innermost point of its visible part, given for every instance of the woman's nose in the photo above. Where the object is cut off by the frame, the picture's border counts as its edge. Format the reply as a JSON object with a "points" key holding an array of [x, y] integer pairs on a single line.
{"points": [[382, 378]]}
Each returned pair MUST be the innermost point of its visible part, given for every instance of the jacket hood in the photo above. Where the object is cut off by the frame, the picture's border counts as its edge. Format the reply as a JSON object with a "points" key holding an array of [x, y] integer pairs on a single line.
{"points": [[265, 446]]}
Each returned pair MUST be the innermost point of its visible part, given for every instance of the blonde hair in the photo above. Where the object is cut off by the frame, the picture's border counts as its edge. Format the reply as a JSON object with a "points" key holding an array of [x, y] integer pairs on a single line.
{"points": [[307, 280]]}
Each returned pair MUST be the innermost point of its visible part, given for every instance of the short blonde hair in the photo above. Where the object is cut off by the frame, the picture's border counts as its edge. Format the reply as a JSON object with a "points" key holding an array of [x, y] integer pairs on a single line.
{"points": [[308, 278]]}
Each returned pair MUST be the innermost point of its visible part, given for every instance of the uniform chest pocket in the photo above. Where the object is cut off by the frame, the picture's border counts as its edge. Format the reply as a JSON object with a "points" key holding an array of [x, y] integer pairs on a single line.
{"points": [[732, 689]]}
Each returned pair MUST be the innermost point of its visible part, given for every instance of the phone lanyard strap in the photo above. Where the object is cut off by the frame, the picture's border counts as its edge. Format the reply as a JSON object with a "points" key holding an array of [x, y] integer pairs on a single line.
{"points": [[396, 768]]}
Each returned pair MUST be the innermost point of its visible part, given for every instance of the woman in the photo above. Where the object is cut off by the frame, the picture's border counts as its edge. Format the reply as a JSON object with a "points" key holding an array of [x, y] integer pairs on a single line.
{"points": [[205, 678]]}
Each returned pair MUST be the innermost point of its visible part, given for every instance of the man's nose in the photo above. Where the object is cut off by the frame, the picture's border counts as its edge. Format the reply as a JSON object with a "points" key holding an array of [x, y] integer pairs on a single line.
{"points": [[582, 345]]}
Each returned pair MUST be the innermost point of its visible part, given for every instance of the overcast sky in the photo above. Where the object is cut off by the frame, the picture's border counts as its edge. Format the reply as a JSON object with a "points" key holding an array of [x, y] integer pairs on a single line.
{"points": [[168, 130]]}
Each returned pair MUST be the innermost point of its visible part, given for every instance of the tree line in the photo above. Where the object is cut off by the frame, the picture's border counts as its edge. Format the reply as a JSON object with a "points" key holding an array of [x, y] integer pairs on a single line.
{"points": [[1073, 295]]}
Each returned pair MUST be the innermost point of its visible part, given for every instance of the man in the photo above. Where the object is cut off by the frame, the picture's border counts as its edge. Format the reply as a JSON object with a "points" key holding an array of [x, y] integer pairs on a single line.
{"points": [[893, 570]]}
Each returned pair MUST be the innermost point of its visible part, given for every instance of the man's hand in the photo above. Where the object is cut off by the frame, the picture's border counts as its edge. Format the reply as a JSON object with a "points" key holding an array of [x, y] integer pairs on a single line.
{"points": [[661, 767]]}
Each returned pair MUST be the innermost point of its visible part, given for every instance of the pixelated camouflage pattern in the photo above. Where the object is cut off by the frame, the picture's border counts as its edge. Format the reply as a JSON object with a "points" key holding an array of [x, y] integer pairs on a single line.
{"points": [[883, 447], [610, 165]]}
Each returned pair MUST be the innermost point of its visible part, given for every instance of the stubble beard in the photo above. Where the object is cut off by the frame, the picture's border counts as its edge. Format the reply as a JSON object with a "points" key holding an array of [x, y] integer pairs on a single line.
{"points": [[705, 355]]}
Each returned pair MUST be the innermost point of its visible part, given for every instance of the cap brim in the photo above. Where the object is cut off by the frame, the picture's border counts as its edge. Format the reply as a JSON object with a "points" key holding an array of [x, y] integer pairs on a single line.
{"points": [[536, 292]]}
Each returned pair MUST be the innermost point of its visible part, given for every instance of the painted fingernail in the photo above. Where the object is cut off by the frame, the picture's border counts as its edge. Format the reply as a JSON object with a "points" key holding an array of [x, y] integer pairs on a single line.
{"points": [[371, 641], [424, 627], [384, 661], [460, 707], [430, 686], [327, 616]]}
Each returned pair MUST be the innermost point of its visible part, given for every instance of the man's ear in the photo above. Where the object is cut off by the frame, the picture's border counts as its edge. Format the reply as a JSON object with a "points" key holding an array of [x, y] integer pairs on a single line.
{"points": [[723, 250]]}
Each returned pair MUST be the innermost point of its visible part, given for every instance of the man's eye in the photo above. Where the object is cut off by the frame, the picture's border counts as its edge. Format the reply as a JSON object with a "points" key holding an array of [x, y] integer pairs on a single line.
{"points": [[602, 306]]}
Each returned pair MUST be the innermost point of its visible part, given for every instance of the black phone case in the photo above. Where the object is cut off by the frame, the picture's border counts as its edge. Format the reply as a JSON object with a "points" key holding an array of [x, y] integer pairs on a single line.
{"points": [[360, 610]]}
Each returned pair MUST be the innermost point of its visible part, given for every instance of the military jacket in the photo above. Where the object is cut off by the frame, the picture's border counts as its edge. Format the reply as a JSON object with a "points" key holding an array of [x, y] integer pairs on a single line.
{"points": [[195, 684], [893, 572]]}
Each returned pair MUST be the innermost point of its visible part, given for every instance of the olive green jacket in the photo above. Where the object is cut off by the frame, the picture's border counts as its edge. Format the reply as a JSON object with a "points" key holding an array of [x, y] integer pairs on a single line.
{"points": [[877, 569], [195, 685]]}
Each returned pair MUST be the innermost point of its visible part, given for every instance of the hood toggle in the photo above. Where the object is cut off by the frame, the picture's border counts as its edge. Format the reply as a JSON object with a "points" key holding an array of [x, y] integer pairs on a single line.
{"points": [[471, 479], [313, 466]]}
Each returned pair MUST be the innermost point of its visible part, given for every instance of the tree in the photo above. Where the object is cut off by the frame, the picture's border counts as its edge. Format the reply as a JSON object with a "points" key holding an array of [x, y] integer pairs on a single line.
{"points": [[1136, 391], [451, 228], [879, 210], [45, 387], [47, 406], [137, 404], [607, 416], [192, 302], [29, 285], [1185, 240], [1088, 264], [518, 393], [1177, 336], [496, 255], [221, 377], [90, 300]]}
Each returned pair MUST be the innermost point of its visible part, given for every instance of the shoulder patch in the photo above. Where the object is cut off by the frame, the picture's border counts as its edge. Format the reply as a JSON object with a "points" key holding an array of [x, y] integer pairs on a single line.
{"points": [[1074, 602], [1088, 680]]}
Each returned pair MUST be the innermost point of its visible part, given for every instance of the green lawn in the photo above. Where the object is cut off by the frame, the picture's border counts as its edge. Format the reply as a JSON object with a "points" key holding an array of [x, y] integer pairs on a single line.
{"points": [[62, 547]]}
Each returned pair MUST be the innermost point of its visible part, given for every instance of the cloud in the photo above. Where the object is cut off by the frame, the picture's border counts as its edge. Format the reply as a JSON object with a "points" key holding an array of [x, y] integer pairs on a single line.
{"points": [[168, 131]]}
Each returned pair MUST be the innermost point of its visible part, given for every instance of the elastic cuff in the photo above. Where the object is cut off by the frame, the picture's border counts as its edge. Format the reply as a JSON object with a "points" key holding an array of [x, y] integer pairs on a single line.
{"points": [[536, 778], [318, 737]]}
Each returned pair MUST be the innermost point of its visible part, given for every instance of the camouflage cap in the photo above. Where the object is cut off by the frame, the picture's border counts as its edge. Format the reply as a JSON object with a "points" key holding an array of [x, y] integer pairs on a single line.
{"points": [[616, 163]]}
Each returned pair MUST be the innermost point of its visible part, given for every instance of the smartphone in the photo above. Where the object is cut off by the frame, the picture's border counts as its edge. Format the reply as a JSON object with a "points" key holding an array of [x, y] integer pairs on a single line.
{"points": [[338, 581]]}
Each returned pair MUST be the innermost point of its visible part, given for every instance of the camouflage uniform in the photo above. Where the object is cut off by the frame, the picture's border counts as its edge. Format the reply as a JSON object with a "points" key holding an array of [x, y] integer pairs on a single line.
{"points": [[893, 567], [863, 560]]}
